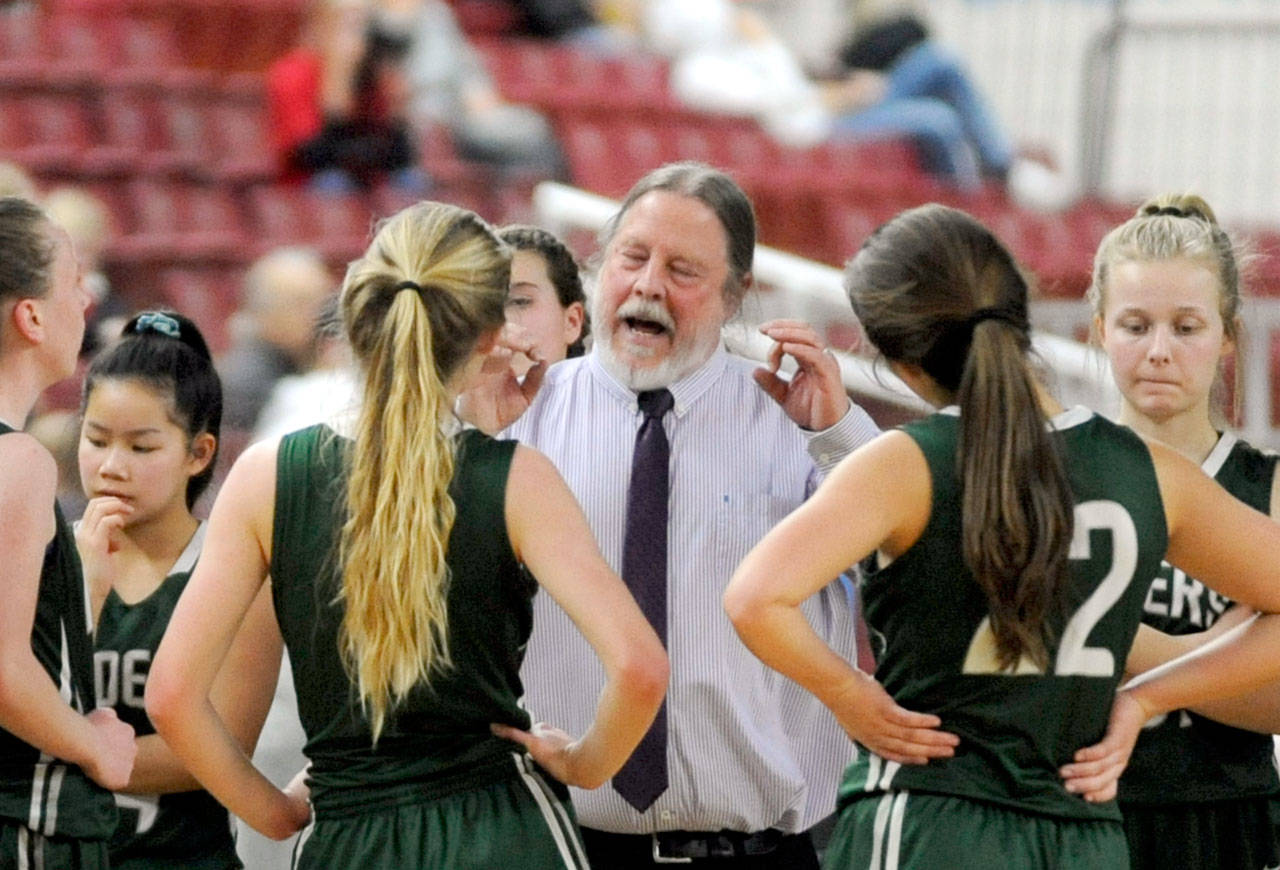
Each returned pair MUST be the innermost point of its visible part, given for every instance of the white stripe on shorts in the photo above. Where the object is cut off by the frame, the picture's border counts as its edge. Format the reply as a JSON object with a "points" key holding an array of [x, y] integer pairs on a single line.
{"points": [[873, 771], [877, 831], [548, 814], [890, 770], [38, 775], [895, 831], [886, 847], [567, 824]]}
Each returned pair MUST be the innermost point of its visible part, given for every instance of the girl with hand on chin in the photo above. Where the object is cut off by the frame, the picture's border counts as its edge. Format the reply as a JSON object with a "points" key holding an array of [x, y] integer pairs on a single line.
{"points": [[151, 413]]}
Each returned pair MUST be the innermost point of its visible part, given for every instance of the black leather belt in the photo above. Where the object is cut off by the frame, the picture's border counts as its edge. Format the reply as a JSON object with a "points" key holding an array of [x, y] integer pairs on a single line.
{"points": [[682, 847]]}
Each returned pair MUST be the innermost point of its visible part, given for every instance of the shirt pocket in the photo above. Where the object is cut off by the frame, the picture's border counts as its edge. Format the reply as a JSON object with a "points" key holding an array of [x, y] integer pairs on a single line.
{"points": [[742, 519]]}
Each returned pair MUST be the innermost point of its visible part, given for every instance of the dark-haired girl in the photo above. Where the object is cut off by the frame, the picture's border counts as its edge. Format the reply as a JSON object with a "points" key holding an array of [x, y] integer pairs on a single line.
{"points": [[546, 298], [151, 413], [1010, 544]]}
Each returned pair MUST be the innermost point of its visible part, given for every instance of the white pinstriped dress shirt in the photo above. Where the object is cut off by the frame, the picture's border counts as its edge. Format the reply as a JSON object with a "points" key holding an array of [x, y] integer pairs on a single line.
{"points": [[747, 748]]}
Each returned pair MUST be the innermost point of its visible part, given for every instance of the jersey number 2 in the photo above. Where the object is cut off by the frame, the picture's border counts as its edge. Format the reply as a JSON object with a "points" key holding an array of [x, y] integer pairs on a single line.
{"points": [[1075, 658]]}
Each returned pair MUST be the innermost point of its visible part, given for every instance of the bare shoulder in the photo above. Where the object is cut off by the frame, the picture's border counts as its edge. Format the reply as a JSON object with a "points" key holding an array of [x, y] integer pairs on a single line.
{"points": [[531, 472], [893, 452], [27, 470], [252, 480]]}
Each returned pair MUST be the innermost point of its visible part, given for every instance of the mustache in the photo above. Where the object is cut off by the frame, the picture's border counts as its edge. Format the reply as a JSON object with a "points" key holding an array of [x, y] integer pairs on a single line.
{"points": [[640, 309]]}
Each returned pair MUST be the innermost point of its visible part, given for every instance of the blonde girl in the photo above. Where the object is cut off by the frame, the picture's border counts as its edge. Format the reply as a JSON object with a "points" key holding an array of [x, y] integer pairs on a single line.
{"points": [[398, 562], [1166, 301]]}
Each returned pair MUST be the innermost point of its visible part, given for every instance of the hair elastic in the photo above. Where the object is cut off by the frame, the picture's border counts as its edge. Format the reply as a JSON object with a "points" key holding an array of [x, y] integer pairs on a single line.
{"points": [[408, 285], [1007, 315], [159, 323]]}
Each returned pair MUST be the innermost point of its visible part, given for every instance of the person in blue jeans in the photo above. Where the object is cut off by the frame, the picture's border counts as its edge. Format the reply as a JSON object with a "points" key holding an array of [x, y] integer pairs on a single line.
{"points": [[926, 95]]}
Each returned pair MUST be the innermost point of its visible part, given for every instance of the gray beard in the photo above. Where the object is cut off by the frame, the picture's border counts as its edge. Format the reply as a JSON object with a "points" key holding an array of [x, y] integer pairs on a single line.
{"points": [[677, 365]]}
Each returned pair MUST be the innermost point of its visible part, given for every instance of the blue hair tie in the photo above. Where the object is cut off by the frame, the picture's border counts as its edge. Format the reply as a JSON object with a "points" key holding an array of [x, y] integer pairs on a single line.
{"points": [[154, 321]]}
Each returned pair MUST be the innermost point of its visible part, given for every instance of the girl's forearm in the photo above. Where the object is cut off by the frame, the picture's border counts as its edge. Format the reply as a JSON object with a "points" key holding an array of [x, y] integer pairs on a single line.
{"points": [[156, 770], [1243, 660], [626, 708], [201, 742], [32, 710]]}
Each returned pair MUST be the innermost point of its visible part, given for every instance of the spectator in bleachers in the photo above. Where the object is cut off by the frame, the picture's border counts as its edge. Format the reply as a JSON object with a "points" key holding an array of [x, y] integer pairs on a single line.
{"points": [[891, 81], [273, 333], [88, 222], [338, 104], [449, 87], [576, 21], [324, 393]]}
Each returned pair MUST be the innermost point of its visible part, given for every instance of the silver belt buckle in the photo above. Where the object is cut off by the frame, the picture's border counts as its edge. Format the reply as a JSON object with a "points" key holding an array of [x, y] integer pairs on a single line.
{"points": [[659, 858]]}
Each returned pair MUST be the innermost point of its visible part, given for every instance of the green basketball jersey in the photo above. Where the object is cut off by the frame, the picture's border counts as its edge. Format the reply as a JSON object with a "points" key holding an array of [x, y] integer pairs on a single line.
{"points": [[1015, 729], [188, 829], [438, 740], [44, 793], [1182, 757]]}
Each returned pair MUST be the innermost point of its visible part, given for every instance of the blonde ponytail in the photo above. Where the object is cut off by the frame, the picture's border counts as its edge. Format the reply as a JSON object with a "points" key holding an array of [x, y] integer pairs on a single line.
{"points": [[432, 282]]}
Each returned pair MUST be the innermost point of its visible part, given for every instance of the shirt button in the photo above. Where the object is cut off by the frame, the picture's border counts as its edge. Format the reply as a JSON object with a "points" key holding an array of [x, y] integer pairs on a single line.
{"points": [[666, 815]]}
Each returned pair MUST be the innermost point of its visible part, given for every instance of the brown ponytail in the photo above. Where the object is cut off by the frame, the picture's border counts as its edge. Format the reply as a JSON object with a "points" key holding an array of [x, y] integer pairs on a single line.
{"points": [[935, 289]]}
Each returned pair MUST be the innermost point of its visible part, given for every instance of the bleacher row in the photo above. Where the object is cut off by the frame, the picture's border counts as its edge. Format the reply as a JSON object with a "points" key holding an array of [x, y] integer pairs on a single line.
{"points": [[158, 107]]}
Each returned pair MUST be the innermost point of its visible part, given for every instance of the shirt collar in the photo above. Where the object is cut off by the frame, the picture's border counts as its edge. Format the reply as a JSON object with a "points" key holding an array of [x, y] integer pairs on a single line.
{"points": [[685, 391]]}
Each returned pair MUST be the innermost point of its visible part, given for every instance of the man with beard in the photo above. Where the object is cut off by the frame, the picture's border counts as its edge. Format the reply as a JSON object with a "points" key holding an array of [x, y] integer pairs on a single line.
{"points": [[682, 457]]}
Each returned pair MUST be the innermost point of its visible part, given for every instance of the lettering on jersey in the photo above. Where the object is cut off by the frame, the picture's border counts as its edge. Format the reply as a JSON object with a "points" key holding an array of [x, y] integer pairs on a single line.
{"points": [[1075, 657], [1176, 596], [121, 678], [147, 806]]}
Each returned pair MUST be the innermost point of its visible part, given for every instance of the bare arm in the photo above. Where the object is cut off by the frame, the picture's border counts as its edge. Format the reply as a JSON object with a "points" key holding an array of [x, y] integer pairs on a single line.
{"points": [[551, 536], [30, 706], [241, 696], [1258, 710], [800, 556], [1234, 549], [226, 581]]}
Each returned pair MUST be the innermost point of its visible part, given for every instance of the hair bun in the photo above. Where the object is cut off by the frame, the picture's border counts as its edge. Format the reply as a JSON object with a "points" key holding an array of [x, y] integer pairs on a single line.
{"points": [[1181, 205]]}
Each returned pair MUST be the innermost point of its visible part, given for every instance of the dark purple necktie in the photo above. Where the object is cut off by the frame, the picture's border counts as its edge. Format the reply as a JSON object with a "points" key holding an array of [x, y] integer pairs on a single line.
{"points": [[644, 568]]}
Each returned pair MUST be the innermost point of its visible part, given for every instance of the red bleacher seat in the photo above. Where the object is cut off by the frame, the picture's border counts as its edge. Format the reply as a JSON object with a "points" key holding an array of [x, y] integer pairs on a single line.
{"points": [[237, 142], [176, 222], [337, 225], [48, 133], [31, 53], [208, 296], [480, 18]]}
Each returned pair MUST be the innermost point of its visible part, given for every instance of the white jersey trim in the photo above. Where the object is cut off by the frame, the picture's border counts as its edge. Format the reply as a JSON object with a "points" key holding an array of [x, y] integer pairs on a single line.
{"points": [[1218, 455]]}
